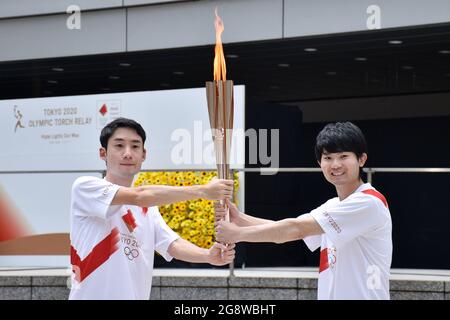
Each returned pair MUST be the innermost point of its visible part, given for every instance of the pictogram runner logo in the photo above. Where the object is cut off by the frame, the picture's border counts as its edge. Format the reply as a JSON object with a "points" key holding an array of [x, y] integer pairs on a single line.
{"points": [[18, 115]]}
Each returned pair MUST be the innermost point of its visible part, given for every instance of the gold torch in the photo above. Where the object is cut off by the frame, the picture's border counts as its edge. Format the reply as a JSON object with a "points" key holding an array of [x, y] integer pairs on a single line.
{"points": [[219, 95]]}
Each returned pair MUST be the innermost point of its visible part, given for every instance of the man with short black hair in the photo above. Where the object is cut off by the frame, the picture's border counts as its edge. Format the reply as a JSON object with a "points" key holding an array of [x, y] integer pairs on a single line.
{"points": [[115, 228], [354, 230]]}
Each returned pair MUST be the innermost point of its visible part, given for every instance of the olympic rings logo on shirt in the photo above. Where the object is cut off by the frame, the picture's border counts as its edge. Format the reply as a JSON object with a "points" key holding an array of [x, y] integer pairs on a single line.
{"points": [[131, 253]]}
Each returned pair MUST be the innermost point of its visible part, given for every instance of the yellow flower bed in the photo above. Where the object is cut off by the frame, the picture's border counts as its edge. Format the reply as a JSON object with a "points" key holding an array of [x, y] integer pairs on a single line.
{"points": [[193, 220]]}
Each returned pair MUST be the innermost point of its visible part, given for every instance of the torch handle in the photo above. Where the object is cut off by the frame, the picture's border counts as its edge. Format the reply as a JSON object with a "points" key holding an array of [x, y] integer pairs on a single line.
{"points": [[227, 210]]}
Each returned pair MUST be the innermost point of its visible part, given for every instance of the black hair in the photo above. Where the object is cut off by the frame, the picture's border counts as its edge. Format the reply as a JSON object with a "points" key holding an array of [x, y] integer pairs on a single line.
{"points": [[111, 127], [340, 137]]}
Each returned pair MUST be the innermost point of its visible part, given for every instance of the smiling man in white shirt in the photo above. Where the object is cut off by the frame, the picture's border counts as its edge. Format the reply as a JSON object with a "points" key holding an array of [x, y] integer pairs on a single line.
{"points": [[115, 228], [353, 230]]}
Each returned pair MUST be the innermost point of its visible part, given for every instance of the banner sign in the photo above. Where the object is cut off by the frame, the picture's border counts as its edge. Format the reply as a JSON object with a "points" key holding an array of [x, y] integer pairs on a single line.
{"points": [[62, 133]]}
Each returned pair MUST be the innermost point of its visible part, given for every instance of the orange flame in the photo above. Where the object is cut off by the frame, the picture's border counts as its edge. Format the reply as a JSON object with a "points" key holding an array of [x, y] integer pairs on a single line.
{"points": [[220, 68]]}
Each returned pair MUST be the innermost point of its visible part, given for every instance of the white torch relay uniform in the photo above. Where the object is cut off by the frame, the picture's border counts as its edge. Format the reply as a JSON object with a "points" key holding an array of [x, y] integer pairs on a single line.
{"points": [[356, 246], [112, 246]]}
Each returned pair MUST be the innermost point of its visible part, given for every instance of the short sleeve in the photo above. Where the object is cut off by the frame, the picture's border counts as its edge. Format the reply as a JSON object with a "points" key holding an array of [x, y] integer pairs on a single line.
{"points": [[164, 236], [92, 196], [350, 218], [313, 242]]}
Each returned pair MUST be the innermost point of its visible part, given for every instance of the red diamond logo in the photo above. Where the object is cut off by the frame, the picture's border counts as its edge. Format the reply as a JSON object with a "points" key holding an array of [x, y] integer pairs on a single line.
{"points": [[103, 110], [129, 220]]}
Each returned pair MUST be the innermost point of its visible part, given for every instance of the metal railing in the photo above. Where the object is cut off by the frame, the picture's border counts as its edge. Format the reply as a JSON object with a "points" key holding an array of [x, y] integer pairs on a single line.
{"points": [[261, 170], [370, 171]]}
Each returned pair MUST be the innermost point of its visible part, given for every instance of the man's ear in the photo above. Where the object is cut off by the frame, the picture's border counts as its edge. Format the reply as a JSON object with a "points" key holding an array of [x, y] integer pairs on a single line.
{"points": [[102, 153], [362, 160], [144, 155]]}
